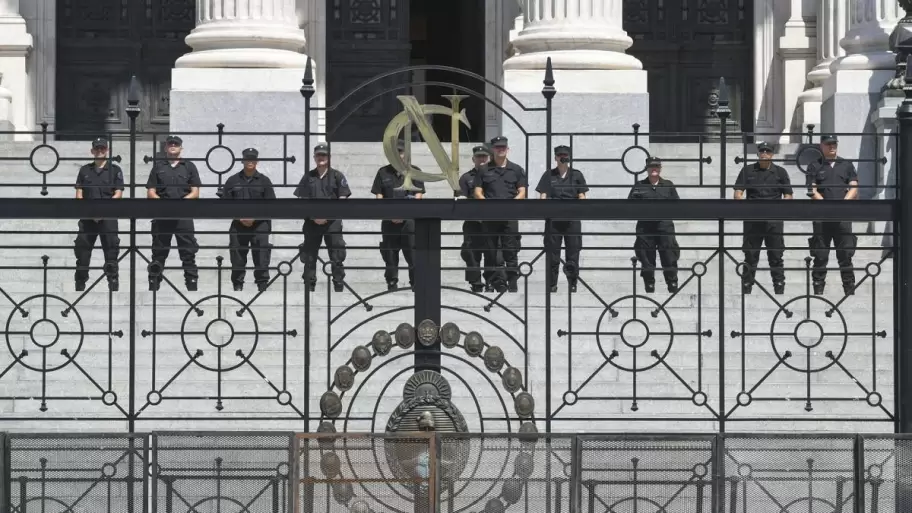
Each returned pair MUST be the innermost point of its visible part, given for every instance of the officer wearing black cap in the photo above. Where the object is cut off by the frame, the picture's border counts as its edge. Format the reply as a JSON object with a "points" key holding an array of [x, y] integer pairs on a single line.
{"points": [[502, 180], [173, 179], [100, 179], [563, 183], [249, 183], [763, 180], [327, 183], [832, 178], [473, 239], [655, 236], [397, 234]]}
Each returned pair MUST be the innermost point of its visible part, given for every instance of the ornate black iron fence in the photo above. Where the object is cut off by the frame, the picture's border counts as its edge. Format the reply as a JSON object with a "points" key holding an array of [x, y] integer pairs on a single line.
{"points": [[703, 355], [428, 472]]}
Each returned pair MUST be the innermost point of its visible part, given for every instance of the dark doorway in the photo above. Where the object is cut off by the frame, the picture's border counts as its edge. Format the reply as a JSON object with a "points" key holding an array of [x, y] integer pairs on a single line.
{"points": [[686, 45], [100, 45], [451, 34], [366, 38]]}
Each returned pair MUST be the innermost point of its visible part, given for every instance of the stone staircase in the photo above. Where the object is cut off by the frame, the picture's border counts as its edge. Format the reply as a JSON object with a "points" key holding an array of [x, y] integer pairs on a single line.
{"points": [[222, 390]]}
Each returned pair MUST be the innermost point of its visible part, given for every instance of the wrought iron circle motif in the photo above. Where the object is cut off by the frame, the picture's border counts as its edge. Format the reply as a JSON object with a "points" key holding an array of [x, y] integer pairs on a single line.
{"points": [[633, 154], [635, 334], [475, 346], [33, 157], [805, 155], [52, 335], [230, 158], [220, 333], [810, 336]]}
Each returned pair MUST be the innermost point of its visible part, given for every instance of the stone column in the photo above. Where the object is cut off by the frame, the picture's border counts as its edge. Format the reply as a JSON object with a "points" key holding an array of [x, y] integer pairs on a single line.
{"points": [[245, 34], [853, 91], [245, 71], [866, 43], [831, 28], [798, 51], [600, 88], [576, 34], [15, 43]]}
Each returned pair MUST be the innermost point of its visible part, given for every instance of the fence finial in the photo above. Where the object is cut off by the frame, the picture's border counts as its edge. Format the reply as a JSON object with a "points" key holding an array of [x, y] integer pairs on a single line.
{"points": [[307, 87], [549, 91]]}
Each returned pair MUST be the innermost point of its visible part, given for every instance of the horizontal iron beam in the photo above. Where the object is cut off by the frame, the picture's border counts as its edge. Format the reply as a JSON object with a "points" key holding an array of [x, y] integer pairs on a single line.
{"points": [[698, 209]]}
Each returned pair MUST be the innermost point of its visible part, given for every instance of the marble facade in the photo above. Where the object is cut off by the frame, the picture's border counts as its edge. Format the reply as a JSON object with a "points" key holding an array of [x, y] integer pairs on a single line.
{"points": [[805, 52]]}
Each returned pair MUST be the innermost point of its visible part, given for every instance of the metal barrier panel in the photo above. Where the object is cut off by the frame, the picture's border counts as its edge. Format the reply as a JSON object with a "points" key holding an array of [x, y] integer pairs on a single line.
{"points": [[885, 469], [78, 473], [360, 473], [673, 474], [527, 473], [778, 473], [203, 472], [4, 474]]}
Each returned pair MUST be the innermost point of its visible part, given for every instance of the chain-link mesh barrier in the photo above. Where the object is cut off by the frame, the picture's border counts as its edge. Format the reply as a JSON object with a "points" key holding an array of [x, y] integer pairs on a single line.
{"points": [[221, 472], [341, 473], [789, 473], [76, 473], [454, 473], [659, 473]]}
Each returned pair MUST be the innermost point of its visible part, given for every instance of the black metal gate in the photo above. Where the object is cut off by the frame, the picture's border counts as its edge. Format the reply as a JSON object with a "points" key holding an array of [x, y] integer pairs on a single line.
{"points": [[706, 357]]}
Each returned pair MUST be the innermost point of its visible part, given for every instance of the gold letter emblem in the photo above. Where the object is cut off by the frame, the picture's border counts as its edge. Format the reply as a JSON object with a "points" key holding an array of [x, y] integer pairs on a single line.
{"points": [[414, 112]]}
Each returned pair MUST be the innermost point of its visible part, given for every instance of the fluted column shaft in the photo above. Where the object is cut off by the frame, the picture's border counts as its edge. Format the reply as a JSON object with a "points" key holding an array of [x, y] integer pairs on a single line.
{"points": [[866, 43], [832, 24], [576, 34], [245, 34]]}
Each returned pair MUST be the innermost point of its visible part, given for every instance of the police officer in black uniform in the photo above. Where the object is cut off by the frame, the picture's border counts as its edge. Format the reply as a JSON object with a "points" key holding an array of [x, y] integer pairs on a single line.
{"points": [[323, 182], [100, 179], [398, 234], [473, 239], [502, 180], [173, 179], [249, 183], [563, 183], [832, 178], [655, 236], [763, 180]]}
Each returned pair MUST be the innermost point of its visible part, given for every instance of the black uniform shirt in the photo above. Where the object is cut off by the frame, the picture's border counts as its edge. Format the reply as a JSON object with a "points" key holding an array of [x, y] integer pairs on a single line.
{"points": [[388, 182], [770, 183], [502, 182], [467, 183], [99, 182], [332, 185], [173, 182], [569, 187], [241, 186], [663, 189], [831, 177]]}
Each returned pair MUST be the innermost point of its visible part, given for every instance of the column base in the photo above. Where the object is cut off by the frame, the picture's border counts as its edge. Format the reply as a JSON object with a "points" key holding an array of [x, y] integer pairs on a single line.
{"points": [[884, 120], [588, 60], [244, 100], [809, 104], [586, 101], [15, 43], [849, 98]]}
